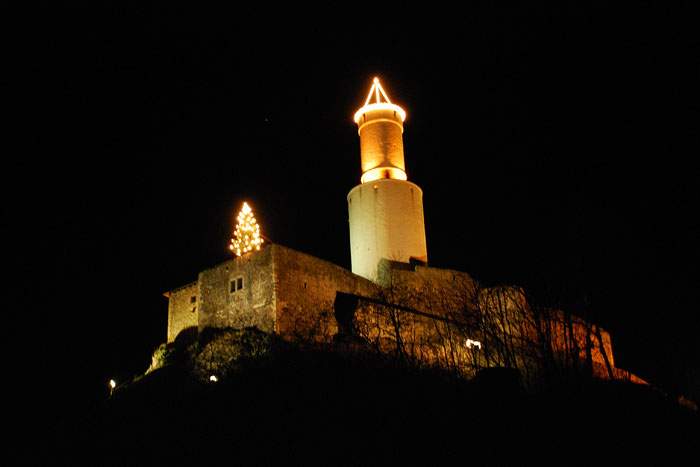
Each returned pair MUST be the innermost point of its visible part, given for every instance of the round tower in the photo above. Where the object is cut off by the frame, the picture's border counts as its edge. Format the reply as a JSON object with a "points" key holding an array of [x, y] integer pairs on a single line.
{"points": [[385, 210]]}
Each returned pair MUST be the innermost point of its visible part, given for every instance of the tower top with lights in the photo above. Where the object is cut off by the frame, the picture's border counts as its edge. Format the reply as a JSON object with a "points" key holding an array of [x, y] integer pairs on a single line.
{"points": [[377, 91], [380, 126]]}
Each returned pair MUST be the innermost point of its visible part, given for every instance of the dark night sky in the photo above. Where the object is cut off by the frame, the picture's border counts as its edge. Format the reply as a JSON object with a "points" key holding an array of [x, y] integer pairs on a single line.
{"points": [[554, 148]]}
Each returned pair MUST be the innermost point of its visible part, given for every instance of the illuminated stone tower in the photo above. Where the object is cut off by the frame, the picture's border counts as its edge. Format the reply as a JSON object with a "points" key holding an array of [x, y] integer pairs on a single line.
{"points": [[386, 210]]}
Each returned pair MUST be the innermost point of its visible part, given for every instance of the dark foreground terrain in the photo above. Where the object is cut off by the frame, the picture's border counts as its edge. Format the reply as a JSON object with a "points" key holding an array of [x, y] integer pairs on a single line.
{"points": [[311, 407]]}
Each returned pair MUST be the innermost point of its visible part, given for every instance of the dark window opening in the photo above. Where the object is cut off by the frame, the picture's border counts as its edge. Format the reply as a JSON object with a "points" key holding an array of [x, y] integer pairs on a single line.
{"points": [[236, 284], [193, 299]]}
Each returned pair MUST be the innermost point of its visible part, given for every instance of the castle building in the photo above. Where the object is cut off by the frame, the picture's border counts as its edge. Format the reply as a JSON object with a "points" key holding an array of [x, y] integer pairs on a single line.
{"points": [[391, 299]]}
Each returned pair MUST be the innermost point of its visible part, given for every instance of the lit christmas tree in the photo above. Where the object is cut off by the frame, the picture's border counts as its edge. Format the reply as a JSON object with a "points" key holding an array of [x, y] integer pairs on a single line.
{"points": [[246, 237]]}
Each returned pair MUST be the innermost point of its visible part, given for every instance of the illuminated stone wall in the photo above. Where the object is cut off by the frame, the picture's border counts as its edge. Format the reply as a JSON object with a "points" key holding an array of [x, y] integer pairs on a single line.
{"points": [[430, 323], [427, 339], [443, 292], [253, 304], [283, 291], [306, 289], [182, 311], [430, 313], [427, 313], [585, 334]]}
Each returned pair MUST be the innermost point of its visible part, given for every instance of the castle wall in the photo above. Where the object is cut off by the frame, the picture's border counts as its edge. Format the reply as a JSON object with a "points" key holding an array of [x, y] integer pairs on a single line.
{"points": [[584, 334], [224, 304], [425, 313], [443, 292], [429, 314], [430, 340], [306, 289], [429, 322], [182, 309]]}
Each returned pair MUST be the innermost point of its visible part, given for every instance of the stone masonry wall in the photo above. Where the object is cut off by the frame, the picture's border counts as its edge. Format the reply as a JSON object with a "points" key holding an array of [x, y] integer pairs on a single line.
{"points": [[442, 292], [306, 289], [429, 314], [251, 305], [430, 340], [182, 309], [425, 329], [585, 334], [426, 313]]}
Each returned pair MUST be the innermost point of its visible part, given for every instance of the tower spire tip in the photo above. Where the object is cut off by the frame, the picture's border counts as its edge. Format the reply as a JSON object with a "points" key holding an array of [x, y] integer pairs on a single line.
{"points": [[381, 101]]}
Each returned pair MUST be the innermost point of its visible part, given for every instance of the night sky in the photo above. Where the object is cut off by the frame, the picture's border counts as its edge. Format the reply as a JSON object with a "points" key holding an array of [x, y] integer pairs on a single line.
{"points": [[555, 148]]}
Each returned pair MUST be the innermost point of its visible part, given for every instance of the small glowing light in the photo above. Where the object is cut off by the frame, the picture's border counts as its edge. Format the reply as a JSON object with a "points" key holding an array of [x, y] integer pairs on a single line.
{"points": [[213, 379], [112, 384], [472, 343]]}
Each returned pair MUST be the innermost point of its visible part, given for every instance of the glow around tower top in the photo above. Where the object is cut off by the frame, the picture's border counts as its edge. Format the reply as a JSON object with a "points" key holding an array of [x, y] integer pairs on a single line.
{"points": [[381, 102]]}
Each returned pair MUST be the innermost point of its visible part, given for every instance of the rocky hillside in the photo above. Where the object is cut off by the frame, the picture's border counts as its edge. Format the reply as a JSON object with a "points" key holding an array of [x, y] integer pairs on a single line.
{"points": [[275, 403]]}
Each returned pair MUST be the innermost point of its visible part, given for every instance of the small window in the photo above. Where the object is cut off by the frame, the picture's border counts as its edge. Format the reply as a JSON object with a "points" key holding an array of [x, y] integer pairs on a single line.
{"points": [[236, 284], [193, 299]]}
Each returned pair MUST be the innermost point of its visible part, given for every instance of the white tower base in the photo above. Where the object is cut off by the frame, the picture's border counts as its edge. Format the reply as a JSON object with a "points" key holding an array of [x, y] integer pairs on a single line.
{"points": [[386, 221]]}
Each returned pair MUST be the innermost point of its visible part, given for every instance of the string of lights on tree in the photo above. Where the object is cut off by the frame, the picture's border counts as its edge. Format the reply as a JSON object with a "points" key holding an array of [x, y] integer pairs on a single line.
{"points": [[247, 236]]}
